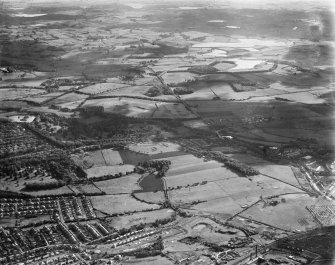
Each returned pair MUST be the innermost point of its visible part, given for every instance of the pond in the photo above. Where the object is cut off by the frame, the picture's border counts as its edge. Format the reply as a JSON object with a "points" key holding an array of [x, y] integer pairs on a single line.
{"points": [[151, 182]]}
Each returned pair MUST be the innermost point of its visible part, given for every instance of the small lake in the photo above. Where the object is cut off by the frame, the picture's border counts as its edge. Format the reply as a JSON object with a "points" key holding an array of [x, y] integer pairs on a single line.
{"points": [[151, 182]]}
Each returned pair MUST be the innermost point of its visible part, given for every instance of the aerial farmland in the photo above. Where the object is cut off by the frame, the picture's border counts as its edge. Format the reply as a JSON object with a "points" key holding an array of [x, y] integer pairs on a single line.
{"points": [[167, 132]]}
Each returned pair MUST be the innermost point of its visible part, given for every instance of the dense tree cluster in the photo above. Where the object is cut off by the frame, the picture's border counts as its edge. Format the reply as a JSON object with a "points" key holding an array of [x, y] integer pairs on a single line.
{"points": [[110, 176], [182, 90], [203, 69], [234, 164], [36, 186], [161, 166]]}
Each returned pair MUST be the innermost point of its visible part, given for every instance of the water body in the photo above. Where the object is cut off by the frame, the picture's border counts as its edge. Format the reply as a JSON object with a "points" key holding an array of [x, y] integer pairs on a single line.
{"points": [[151, 182]]}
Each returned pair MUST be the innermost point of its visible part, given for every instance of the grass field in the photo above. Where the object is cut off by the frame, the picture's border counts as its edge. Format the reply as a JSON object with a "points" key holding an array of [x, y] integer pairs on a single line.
{"points": [[151, 197], [101, 88], [152, 148], [68, 98], [108, 170], [18, 93], [127, 221], [133, 158], [104, 157], [126, 184], [112, 204], [290, 215]]}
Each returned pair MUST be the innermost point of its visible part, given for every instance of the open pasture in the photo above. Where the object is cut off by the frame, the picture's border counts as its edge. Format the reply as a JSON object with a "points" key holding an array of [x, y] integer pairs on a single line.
{"points": [[102, 88], [67, 99], [151, 197], [133, 158], [114, 204], [207, 192], [152, 148], [209, 230], [132, 90], [283, 173], [39, 99], [108, 170], [18, 93], [125, 184], [178, 78], [129, 220], [289, 214]]}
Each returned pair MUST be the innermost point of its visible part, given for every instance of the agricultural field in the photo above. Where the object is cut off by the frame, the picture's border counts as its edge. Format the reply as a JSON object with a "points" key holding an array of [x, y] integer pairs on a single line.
{"points": [[102, 88], [156, 197], [90, 92], [125, 184], [289, 214], [18, 93], [69, 100], [116, 204], [129, 220], [154, 148], [100, 171], [104, 157], [140, 108]]}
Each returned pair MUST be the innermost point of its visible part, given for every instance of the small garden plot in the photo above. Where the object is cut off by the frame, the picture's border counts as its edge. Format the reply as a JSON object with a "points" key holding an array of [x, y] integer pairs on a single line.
{"points": [[289, 213], [102, 88], [114, 204], [125, 184], [18, 93], [154, 148], [38, 219], [108, 170], [127, 221]]}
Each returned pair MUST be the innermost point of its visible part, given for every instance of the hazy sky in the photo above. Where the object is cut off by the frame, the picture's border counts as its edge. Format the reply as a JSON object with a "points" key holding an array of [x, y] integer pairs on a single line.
{"points": [[296, 4]]}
